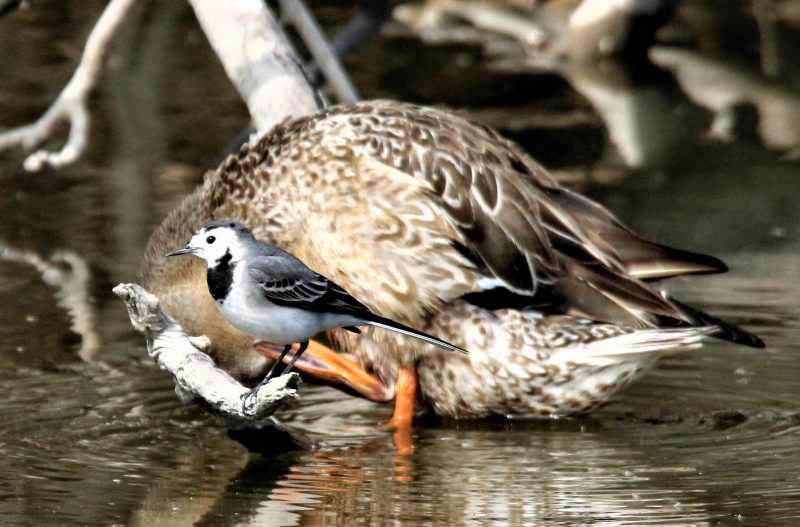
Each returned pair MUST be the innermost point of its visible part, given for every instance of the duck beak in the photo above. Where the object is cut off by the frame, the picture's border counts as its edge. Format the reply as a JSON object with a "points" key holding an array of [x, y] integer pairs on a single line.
{"points": [[185, 250], [324, 364]]}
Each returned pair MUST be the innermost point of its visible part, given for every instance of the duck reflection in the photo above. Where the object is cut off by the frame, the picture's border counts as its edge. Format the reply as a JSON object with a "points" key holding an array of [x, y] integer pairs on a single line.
{"points": [[662, 104], [730, 90], [532, 472]]}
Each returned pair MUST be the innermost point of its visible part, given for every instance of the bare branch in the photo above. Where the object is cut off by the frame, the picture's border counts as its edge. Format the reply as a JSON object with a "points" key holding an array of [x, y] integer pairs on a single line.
{"points": [[257, 58], [362, 27], [502, 21], [197, 379], [298, 14], [73, 291], [245, 36], [70, 105]]}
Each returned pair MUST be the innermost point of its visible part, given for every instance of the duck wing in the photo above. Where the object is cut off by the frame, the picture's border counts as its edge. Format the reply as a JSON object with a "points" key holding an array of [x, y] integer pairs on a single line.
{"points": [[642, 259], [524, 231]]}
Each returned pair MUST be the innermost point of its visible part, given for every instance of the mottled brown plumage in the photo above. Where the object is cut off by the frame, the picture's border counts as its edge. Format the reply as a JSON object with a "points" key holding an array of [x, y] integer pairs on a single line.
{"points": [[446, 226]]}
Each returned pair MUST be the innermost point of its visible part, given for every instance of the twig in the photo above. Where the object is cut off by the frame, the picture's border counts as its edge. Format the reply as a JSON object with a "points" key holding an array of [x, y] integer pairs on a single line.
{"points": [[197, 379], [73, 291], [71, 103], [363, 26], [298, 14], [501, 21]]}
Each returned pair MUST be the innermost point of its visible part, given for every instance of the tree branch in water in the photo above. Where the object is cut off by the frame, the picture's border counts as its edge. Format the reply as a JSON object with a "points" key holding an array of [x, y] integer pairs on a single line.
{"points": [[197, 379]]}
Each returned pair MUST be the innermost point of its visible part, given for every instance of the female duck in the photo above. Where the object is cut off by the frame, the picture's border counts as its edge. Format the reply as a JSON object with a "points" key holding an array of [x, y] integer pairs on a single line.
{"points": [[447, 227]]}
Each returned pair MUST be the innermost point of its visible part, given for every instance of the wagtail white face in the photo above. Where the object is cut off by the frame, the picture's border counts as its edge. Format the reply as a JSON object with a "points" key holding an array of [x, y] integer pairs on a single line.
{"points": [[212, 244], [270, 295]]}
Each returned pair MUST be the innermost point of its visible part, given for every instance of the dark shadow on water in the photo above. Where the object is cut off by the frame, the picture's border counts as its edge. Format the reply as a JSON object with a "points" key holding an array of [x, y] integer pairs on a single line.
{"points": [[239, 500]]}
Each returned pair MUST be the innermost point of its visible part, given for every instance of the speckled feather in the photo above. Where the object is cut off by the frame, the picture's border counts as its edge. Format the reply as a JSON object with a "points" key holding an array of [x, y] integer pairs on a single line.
{"points": [[529, 364], [409, 209]]}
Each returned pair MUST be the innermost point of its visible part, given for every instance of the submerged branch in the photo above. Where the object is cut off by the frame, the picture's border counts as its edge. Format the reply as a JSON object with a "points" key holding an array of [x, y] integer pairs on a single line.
{"points": [[197, 379]]}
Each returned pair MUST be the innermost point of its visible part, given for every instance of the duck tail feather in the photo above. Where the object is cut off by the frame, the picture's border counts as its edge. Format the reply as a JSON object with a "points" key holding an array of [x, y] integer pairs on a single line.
{"points": [[725, 330]]}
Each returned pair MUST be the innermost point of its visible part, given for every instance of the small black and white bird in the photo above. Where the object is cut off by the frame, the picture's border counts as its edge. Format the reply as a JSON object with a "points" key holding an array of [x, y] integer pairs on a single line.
{"points": [[267, 293]]}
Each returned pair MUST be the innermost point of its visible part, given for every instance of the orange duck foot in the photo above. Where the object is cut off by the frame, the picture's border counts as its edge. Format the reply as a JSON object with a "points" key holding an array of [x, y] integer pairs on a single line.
{"points": [[321, 362], [405, 393]]}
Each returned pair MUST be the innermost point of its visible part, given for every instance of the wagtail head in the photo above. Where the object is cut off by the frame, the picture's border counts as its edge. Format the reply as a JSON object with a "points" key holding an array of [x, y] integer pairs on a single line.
{"points": [[217, 241]]}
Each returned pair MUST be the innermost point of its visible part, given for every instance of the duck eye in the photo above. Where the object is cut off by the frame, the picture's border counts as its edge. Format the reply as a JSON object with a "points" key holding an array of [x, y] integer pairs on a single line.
{"points": [[210, 240]]}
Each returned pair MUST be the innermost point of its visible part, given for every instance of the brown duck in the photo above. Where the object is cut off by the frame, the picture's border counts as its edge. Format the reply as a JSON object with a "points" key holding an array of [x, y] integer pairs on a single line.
{"points": [[443, 225]]}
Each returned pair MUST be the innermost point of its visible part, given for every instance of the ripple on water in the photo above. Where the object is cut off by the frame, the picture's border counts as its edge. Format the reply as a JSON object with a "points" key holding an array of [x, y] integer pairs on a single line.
{"points": [[100, 441]]}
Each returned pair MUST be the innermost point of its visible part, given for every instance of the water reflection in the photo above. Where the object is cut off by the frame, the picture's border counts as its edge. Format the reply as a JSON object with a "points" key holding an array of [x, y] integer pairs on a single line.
{"points": [[659, 107], [729, 90], [650, 121], [68, 272], [460, 475], [456, 476]]}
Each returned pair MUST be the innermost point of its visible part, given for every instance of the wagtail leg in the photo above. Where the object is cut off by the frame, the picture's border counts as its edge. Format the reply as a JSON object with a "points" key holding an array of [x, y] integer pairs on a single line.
{"points": [[275, 364], [300, 350]]}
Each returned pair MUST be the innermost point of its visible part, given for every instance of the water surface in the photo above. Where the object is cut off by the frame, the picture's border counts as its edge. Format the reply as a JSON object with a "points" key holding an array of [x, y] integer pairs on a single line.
{"points": [[92, 433]]}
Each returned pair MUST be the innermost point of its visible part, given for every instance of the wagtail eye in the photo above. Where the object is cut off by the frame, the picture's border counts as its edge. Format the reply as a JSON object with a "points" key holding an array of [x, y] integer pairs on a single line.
{"points": [[210, 239]]}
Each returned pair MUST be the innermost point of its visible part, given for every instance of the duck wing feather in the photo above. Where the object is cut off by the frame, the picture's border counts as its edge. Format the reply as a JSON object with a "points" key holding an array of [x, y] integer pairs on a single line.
{"points": [[523, 230], [518, 223]]}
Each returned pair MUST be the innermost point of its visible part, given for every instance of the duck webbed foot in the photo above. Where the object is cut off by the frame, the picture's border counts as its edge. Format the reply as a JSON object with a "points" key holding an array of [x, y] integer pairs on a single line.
{"points": [[405, 395], [322, 363]]}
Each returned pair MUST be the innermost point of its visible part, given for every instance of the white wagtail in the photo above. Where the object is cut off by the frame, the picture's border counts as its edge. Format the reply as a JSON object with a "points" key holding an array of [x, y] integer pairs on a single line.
{"points": [[267, 293]]}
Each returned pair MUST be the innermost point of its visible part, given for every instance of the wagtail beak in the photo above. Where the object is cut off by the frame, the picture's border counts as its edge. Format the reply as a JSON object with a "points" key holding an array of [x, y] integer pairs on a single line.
{"points": [[185, 250]]}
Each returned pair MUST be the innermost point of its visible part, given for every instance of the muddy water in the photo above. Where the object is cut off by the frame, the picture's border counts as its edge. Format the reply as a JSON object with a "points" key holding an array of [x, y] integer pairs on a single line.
{"points": [[92, 434]]}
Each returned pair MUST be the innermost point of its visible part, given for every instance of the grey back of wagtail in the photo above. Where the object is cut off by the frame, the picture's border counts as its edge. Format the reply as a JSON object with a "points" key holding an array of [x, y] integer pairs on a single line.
{"points": [[267, 293]]}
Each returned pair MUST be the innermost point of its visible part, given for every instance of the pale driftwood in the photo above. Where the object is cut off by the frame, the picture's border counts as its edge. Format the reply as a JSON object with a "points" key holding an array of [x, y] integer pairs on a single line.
{"points": [[257, 58], [197, 379], [71, 103], [426, 20]]}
